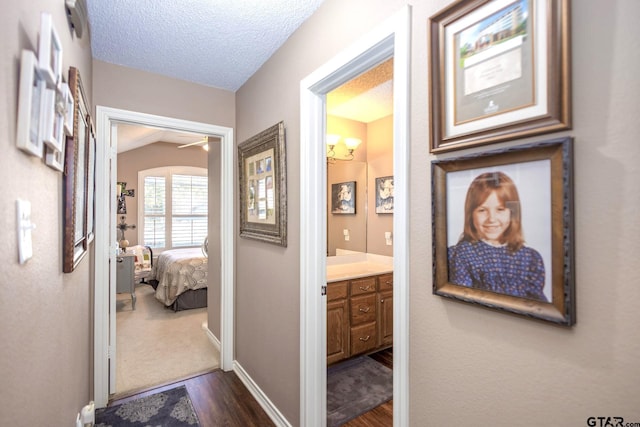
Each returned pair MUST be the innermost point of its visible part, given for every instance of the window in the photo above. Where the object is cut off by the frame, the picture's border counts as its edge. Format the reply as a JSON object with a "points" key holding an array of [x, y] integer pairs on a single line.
{"points": [[173, 210]]}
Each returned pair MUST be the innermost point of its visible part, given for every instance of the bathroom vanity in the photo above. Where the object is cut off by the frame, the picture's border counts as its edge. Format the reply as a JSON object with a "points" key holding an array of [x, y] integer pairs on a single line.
{"points": [[359, 305]]}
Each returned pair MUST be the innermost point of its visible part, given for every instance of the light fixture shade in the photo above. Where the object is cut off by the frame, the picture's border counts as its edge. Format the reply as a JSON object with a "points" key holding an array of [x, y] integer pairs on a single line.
{"points": [[352, 143], [332, 139]]}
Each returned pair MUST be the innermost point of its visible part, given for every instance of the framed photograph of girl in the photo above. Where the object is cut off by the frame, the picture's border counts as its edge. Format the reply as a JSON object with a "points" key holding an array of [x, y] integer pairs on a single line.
{"points": [[503, 230]]}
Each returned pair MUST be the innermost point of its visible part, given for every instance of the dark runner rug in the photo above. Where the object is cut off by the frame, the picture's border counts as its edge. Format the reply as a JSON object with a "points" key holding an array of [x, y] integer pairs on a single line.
{"points": [[356, 386], [169, 408]]}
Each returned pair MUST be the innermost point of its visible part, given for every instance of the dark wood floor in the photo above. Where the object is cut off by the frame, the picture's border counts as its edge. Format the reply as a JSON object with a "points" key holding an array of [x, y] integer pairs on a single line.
{"points": [[220, 399]]}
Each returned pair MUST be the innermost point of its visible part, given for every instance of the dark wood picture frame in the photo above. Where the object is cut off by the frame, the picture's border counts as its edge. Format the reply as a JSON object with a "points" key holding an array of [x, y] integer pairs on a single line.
{"points": [[262, 167], [542, 207], [76, 237], [475, 98]]}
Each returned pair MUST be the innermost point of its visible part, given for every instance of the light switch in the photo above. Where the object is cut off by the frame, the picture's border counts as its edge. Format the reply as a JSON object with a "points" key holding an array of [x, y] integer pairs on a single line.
{"points": [[387, 238], [345, 232], [25, 248]]}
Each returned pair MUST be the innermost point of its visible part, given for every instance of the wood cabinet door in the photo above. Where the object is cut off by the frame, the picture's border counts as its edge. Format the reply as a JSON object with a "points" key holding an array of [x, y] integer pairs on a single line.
{"points": [[385, 321], [337, 331], [363, 338]]}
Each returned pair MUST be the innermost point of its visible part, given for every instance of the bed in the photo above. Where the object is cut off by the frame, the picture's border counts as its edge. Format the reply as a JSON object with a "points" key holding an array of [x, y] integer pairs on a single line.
{"points": [[180, 278]]}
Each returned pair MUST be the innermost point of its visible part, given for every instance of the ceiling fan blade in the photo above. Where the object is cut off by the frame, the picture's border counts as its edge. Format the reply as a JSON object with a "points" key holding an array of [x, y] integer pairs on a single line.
{"points": [[204, 141]]}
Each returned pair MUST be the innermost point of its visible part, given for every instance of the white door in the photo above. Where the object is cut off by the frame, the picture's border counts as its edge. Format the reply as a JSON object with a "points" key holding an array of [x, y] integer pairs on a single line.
{"points": [[113, 170]]}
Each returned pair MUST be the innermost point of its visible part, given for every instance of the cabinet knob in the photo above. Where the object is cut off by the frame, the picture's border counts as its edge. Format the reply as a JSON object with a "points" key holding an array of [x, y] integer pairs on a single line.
{"points": [[388, 282], [364, 288], [365, 309], [365, 339]]}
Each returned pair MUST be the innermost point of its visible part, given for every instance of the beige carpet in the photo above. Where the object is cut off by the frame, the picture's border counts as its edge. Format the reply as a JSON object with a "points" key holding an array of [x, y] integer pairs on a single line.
{"points": [[155, 345]]}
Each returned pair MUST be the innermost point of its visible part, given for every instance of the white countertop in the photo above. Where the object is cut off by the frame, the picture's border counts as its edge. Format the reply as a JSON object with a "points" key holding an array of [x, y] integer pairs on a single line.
{"points": [[346, 267]]}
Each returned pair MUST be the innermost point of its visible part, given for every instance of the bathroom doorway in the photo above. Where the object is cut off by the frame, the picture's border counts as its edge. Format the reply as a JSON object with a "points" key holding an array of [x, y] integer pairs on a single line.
{"points": [[389, 40]]}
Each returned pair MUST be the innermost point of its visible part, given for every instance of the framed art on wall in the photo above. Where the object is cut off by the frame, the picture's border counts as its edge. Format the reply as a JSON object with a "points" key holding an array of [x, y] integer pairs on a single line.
{"points": [[263, 186], [49, 51], [52, 120], [31, 97], [499, 70], [75, 240], [384, 195], [343, 198], [503, 230]]}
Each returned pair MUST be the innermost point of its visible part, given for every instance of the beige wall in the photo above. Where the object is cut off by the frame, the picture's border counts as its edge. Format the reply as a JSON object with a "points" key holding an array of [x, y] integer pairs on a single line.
{"points": [[372, 159], [345, 171], [151, 156], [45, 332], [468, 365], [380, 162]]}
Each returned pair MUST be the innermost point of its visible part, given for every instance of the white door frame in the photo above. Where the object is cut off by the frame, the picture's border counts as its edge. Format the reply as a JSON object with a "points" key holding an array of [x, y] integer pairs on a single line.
{"points": [[107, 120], [391, 39]]}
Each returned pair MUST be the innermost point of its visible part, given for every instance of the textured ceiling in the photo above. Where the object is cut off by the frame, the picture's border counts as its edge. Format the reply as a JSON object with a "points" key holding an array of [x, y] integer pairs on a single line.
{"points": [[217, 43]]}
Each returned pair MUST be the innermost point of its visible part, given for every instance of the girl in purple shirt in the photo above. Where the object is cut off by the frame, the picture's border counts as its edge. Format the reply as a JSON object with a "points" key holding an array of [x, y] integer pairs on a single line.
{"points": [[491, 254]]}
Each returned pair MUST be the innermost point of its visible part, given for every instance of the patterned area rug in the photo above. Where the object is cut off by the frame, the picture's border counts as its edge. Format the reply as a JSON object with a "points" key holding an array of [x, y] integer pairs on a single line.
{"points": [[355, 387], [170, 408]]}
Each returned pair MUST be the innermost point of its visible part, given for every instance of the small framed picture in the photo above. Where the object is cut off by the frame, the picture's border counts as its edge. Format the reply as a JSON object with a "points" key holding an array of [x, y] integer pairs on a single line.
{"points": [[31, 97], [49, 51], [263, 186], [384, 195], [68, 106], [54, 158], [343, 198], [52, 120]]}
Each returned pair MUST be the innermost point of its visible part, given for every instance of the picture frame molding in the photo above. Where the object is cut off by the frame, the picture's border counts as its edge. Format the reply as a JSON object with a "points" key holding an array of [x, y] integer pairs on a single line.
{"points": [[272, 138], [555, 115], [561, 310]]}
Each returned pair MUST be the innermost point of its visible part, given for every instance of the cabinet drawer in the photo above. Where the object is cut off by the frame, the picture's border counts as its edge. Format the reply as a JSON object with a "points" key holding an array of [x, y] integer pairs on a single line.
{"points": [[363, 309], [385, 282], [363, 286], [337, 290], [363, 338]]}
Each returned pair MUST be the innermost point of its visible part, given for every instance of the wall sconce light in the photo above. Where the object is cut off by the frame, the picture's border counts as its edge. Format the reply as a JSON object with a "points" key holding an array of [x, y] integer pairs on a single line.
{"points": [[351, 144]]}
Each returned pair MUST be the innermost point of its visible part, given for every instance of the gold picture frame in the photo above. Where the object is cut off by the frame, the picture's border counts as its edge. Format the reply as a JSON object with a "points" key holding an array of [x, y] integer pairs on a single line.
{"points": [[522, 263], [76, 237], [499, 70], [263, 186]]}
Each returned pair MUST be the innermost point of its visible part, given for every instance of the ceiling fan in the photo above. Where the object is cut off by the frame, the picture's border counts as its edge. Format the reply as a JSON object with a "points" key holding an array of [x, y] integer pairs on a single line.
{"points": [[204, 142]]}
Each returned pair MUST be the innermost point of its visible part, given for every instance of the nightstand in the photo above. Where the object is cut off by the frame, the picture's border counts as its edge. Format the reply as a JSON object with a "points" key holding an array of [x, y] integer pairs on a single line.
{"points": [[125, 282]]}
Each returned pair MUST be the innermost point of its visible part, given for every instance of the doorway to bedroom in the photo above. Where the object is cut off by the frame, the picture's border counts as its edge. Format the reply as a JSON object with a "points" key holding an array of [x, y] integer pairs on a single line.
{"points": [[220, 193], [162, 212]]}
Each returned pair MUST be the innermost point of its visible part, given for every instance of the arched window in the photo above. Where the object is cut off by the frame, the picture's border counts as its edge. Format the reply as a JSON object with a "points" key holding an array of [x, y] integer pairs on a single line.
{"points": [[173, 209]]}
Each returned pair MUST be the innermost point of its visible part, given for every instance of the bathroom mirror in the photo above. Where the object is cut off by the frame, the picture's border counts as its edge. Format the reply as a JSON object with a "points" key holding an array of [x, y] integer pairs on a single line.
{"points": [[347, 230], [360, 111]]}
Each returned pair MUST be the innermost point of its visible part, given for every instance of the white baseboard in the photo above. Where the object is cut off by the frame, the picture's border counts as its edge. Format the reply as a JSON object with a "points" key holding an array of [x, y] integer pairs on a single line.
{"points": [[214, 340], [268, 406]]}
